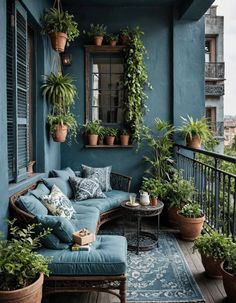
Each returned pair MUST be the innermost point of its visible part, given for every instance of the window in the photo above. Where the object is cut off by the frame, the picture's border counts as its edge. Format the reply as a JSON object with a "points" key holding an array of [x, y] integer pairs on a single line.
{"points": [[211, 118], [105, 90], [210, 49], [19, 75]]}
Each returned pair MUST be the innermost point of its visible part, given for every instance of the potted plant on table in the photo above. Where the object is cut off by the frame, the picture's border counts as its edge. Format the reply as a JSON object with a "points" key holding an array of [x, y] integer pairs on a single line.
{"points": [[228, 268], [60, 91], [60, 26], [195, 132], [21, 268], [110, 135], [97, 32], [92, 130], [155, 188], [191, 221], [124, 136], [213, 247]]}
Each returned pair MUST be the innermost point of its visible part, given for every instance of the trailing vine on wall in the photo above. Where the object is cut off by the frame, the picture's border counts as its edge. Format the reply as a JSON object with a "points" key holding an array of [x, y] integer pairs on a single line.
{"points": [[136, 79]]}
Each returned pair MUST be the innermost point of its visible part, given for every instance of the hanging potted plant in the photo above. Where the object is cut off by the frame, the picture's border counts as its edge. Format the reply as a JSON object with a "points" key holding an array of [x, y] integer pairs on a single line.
{"points": [[196, 132], [60, 26], [212, 246], [124, 136], [92, 130], [191, 221], [21, 268], [60, 91], [97, 32], [110, 135]]}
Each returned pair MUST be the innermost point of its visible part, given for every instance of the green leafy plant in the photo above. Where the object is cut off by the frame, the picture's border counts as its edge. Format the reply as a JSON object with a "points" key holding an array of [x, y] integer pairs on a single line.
{"points": [[112, 132], [20, 265], [97, 30], [56, 20], [66, 119], [93, 127], [154, 187], [126, 31], [212, 244], [159, 155], [191, 211], [135, 81], [124, 131], [179, 191], [230, 265], [112, 37]]}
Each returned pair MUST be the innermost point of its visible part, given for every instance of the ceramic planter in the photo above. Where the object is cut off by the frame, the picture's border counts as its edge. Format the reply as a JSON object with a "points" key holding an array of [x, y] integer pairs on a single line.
{"points": [[29, 294], [190, 228], [124, 139], [30, 168], [112, 43], [92, 139], [60, 133], [195, 142], [153, 201], [229, 282], [110, 140], [58, 41], [98, 40], [212, 266]]}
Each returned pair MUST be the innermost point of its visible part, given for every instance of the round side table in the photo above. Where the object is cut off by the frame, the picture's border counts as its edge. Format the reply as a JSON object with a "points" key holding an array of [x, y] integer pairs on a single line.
{"points": [[142, 240]]}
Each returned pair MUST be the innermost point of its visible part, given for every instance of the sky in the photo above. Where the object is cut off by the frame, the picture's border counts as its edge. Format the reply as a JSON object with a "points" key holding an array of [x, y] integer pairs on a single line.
{"points": [[227, 8]]}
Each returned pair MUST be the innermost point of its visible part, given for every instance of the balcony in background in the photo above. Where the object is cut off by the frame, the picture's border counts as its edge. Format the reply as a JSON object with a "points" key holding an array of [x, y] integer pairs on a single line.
{"points": [[214, 71]]}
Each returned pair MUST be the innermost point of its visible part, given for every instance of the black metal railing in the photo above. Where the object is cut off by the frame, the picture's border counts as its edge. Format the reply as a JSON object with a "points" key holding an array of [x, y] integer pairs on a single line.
{"points": [[215, 186], [215, 70]]}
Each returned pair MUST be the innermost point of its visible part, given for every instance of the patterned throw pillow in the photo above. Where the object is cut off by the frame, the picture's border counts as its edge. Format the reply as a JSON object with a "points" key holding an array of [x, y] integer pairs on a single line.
{"points": [[103, 175], [58, 204], [86, 188]]}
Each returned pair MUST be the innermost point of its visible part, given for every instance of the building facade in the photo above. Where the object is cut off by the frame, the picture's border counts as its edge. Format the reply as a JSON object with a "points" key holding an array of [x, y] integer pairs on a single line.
{"points": [[215, 74]]}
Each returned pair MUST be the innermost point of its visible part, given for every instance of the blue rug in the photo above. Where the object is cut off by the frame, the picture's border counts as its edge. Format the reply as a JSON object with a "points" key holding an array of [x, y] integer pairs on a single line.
{"points": [[161, 275]]}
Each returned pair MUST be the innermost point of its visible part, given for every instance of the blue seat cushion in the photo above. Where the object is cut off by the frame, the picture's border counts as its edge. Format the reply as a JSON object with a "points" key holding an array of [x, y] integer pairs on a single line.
{"points": [[113, 200], [32, 205], [107, 257], [61, 183], [85, 217]]}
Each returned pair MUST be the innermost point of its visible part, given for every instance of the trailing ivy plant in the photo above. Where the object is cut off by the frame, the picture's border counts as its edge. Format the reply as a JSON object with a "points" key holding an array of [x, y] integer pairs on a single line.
{"points": [[136, 79]]}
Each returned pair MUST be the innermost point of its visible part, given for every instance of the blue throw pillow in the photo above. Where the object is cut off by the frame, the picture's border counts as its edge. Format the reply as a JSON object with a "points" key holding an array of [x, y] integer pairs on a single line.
{"points": [[61, 227], [40, 191], [61, 183], [32, 205], [52, 242], [63, 173]]}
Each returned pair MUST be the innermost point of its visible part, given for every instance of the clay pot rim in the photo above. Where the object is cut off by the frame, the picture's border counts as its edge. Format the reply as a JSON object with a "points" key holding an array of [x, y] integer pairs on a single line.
{"points": [[202, 218]]}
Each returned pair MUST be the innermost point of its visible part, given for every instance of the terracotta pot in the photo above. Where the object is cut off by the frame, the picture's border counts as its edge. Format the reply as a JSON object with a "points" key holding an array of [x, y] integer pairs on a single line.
{"points": [[58, 41], [124, 39], [98, 40], [92, 139], [173, 218], [190, 228], [110, 140], [153, 201], [212, 266], [30, 168], [29, 294], [195, 142], [112, 43], [229, 282], [124, 139], [60, 133]]}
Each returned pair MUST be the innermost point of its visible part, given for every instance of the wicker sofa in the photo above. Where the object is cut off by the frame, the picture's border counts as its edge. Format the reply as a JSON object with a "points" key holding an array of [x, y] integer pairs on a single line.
{"points": [[103, 268]]}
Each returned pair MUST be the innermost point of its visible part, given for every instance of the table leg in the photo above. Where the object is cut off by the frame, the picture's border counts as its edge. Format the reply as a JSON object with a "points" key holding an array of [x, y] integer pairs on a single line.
{"points": [[138, 233], [158, 229]]}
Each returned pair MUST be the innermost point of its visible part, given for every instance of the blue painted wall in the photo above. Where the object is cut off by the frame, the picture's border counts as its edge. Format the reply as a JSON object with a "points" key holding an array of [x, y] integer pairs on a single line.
{"points": [[175, 68]]}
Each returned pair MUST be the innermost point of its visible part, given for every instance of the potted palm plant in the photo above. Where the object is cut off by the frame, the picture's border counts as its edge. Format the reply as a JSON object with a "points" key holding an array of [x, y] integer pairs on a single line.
{"points": [[60, 91], [195, 132], [60, 26], [97, 32], [191, 221], [213, 247], [21, 268], [92, 130], [110, 135]]}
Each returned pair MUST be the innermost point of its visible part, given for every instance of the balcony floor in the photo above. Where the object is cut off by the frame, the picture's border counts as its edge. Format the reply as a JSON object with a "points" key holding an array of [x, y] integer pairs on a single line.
{"points": [[212, 289]]}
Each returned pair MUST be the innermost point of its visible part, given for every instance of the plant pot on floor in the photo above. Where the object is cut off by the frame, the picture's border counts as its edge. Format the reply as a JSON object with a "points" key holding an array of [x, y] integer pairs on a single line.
{"points": [[60, 133], [29, 294], [229, 282], [190, 228], [212, 266], [58, 41], [110, 140], [92, 139]]}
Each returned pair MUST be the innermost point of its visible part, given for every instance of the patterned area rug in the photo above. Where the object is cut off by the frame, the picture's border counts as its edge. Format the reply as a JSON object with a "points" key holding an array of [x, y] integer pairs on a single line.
{"points": [[161, 275]]}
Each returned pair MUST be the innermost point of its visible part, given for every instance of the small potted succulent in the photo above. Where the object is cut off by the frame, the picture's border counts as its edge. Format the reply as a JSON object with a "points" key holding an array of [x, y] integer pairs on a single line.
{"points": [[110, 135], [21, 268], [112, 39], [191, 221], [124, 136], [92, 130], [195, 132], [213, 247], [97, 32], [155, 188], [228, 268]]}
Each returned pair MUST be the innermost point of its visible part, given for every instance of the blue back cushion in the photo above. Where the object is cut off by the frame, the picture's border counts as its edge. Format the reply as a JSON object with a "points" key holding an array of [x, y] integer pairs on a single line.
{"points": [[32, 205], [63, 173], [64, 185], [39, 191]]}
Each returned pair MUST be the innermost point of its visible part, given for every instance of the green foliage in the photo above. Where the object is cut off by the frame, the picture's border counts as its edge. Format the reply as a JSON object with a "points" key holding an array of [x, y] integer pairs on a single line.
{"points": [[124, 131], [55, 20], [196, 127], [191, 211], [65, 119], [231, 258], [93, 127], [20, 265], [112, 37], [126, 31], [154, 187], [213, 244], [179, 191], [97, 30], [135, 81], [160, 156], [110, 132], [233, 145]]}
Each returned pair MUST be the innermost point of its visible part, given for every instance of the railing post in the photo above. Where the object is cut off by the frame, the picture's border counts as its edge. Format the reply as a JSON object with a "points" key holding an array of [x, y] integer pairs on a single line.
{"points": [[217, 198]]}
